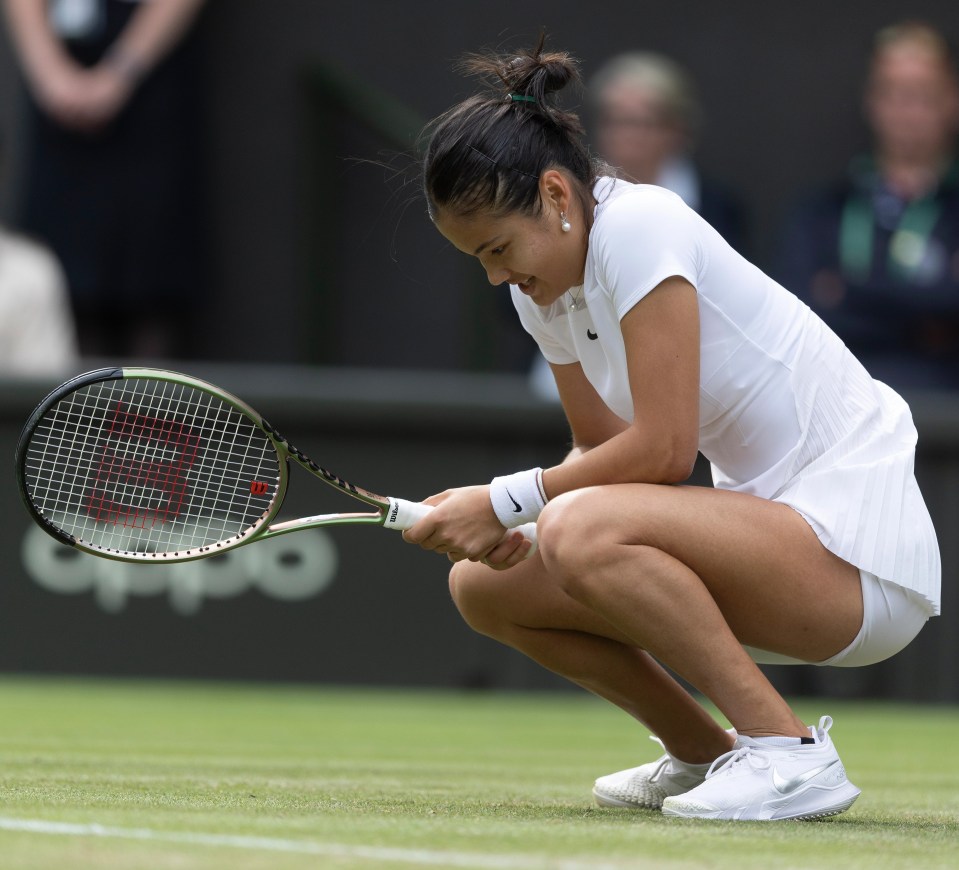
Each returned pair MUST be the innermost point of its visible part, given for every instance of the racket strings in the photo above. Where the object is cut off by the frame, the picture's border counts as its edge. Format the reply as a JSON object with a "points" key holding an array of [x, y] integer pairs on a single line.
{"points": [[148, 466]]}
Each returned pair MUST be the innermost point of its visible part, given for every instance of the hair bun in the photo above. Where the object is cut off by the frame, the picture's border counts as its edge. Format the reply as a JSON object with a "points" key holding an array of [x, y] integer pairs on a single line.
{"points": [[539, 74], [488, 153], [532, 73]]}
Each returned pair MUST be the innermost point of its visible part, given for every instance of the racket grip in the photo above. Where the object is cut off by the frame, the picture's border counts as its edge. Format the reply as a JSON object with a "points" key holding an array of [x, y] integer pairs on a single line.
{"points": [[402, 514]]}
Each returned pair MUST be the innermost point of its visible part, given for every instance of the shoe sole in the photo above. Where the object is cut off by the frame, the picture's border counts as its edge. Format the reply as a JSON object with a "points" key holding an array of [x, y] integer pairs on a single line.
{"points": [[834, 810], [809, 815], [606, 801]]}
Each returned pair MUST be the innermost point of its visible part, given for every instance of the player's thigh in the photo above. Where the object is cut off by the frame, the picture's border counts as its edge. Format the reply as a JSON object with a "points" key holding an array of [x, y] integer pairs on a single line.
{"points": [[526, 595], [776, 584]]}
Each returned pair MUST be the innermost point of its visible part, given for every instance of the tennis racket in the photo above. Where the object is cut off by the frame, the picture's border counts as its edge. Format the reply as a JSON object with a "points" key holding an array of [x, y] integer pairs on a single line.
{"points": [[146, 465]]}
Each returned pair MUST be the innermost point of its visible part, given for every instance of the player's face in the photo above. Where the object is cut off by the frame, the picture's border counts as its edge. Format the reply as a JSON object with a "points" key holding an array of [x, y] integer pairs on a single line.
{"points": [[530, 251]]}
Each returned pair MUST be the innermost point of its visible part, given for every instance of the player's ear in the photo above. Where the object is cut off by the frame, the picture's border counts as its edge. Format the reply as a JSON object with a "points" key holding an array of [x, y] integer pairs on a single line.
{"points": [[555, 192]]}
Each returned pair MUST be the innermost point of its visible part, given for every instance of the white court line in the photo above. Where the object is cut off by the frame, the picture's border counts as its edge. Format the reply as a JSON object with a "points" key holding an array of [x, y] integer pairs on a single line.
{"points": [[305, 847]]}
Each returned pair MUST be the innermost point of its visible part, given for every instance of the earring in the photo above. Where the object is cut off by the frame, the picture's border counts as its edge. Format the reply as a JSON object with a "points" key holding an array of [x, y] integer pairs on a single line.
{"points": [[564, 225]]}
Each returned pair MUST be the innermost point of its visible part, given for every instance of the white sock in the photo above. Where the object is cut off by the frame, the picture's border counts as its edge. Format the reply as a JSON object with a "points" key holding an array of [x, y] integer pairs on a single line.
{"points": [[684, 767], [793, 742]]}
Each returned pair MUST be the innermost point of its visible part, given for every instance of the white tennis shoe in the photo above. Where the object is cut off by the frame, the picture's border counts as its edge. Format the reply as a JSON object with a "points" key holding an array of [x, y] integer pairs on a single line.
{"points": [[759, 781], [646, 786]]}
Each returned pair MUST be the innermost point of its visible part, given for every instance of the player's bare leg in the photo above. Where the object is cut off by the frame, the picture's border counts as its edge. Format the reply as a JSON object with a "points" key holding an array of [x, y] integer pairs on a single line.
{"points": [[689, 575], [523, 608]]}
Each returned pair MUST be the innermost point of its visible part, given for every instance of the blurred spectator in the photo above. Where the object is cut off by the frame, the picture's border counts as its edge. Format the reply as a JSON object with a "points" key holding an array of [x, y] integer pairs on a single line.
{"points": [[647, 117], [37, 335], [110, 177], [877, 256]]}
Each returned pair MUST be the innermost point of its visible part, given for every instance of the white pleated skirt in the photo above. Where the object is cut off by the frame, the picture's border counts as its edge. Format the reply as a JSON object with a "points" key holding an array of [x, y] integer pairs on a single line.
{"points": [[860, 495]]}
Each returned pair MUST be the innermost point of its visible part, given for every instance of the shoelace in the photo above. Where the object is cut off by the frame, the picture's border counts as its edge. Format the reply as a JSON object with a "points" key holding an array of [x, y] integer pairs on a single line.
{"points": [[757, 760], [755, 756]]}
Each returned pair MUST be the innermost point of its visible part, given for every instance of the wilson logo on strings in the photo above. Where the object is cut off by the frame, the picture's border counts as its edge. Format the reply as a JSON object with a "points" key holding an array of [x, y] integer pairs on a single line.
{"points": [[127, 490]]}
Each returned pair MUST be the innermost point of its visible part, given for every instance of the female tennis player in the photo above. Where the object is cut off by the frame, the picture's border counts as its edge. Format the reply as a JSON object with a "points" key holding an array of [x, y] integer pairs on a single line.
{"points": [[814, 546]]}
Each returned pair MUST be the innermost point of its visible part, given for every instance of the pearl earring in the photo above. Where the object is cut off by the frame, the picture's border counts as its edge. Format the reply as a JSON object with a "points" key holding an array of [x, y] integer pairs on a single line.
{"points": [[564, 225]]}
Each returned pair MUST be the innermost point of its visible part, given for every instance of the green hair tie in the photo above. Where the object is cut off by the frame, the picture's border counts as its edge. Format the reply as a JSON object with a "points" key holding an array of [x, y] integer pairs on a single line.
{"points": [[522, 98]]}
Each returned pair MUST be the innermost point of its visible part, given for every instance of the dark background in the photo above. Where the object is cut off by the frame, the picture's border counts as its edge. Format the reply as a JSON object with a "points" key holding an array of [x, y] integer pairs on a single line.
{"points": [[317, 254]]}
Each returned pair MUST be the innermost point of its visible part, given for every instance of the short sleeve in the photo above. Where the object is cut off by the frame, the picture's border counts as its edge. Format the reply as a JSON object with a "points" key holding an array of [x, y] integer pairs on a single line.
{"points": [[641, 240]]}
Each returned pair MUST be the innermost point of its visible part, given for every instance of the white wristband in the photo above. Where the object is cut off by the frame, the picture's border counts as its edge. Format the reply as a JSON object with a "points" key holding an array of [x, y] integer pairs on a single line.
{"points": [[518, 498]]}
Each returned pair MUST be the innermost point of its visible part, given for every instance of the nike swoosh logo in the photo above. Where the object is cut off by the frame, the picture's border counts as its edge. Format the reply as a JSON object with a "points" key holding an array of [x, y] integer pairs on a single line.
{"points": [[787, 786], [517, 507], [592, 336]]}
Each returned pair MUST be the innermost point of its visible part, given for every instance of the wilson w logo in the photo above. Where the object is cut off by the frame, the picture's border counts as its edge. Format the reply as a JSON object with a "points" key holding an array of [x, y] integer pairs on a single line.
{"points": [[259, 487], [131, 486]]}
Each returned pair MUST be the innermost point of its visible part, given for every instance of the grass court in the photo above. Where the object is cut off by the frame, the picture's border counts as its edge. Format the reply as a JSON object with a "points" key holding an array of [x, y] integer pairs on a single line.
{"points": [[195, 776]]}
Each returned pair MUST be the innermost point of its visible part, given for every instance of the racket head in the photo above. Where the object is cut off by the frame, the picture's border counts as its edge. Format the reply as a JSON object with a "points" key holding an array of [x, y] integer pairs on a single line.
{"points": [[147, 465]]}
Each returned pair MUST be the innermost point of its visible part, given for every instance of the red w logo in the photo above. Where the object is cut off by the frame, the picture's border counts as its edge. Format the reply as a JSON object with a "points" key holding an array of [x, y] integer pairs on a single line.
{"points": [[129, 487], [259, 487]]}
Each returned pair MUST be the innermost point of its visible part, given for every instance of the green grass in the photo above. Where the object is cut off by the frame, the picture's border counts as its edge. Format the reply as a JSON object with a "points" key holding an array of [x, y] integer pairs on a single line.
{"points": [[338, 777]]}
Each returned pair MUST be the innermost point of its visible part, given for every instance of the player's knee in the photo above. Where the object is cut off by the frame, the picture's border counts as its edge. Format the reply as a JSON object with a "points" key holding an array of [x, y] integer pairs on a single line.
{"points": [[474, 599], [568, 532], [574, 540]]}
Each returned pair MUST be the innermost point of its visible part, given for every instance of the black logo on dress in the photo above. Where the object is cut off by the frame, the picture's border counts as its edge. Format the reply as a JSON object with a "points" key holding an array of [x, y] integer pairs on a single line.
{"points": [[592, 336]]}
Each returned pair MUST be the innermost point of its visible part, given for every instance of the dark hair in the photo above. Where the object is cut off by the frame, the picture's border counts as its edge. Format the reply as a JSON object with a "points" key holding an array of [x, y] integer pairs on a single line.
{"points": [[488, 152]]}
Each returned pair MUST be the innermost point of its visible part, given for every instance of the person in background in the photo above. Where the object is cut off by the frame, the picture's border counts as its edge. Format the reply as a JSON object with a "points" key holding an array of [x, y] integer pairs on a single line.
{"points": [[37, 333], [110, 181], [877, 254], [646, 119]]}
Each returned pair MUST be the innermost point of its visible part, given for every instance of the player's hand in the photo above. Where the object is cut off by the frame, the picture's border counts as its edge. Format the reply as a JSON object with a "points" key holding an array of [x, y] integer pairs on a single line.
{"points": [[464, 526], [512, 549]]}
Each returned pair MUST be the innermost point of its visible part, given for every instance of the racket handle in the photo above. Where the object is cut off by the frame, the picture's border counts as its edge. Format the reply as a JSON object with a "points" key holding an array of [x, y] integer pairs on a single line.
{"points": [[402, 514]]}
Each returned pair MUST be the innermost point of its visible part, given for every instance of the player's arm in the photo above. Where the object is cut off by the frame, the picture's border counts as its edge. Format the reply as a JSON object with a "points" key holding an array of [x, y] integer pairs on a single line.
{"points": [[474, 524], [591, 421], [661, 334]]}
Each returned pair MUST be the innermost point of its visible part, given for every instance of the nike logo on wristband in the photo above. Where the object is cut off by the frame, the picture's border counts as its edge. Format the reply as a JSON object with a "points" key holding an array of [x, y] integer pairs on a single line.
{"points": [[517, 507], [786, 786]]}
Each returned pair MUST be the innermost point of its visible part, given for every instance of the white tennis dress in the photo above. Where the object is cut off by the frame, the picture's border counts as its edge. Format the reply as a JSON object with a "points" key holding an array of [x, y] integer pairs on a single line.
{"points": [[787, 413]]}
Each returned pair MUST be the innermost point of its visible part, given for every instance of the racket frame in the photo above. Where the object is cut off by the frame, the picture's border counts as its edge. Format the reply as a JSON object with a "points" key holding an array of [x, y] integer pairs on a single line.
{"points": [[386, 509]]}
